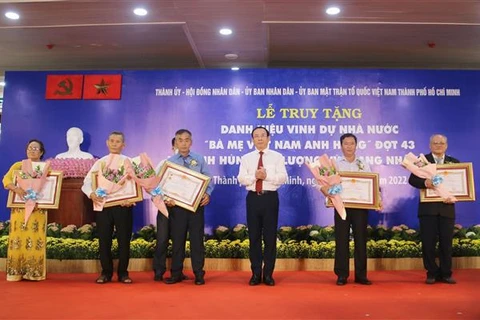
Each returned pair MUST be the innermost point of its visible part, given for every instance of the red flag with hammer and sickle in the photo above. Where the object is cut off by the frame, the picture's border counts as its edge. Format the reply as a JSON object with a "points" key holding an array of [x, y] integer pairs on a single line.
{"points": [[64, 86]]}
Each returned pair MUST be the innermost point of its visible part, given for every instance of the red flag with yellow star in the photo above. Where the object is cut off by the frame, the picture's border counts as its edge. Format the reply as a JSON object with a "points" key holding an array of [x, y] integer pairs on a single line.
{"points": [[102, 86], [64, 86]]}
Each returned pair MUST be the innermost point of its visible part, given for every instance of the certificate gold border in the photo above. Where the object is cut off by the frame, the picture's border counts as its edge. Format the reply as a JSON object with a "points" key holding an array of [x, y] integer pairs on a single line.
{"points": [[197, 177], [467, 168], [136, 196], [54, 201], [375, 204]]}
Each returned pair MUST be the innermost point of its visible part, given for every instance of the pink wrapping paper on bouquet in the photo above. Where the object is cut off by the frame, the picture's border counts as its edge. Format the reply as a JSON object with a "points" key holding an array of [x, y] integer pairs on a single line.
{"points": [[422, 168], [31, 181], [110, 179], [144, 174], [325, 172]]}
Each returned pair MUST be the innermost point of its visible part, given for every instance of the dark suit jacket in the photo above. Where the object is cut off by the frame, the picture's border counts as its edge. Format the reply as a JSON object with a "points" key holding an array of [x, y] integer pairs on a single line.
{"points": [[433, 208]]}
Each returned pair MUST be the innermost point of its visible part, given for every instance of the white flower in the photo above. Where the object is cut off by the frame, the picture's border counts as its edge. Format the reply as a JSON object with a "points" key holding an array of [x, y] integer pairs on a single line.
{"points": [[397, 228], [222, 228], [410, 231], [458, 226], [69, 229], [239, 227], [381, 226], [85, 228], [403, 226], [285, 229], [470, 234], [328, 229], [313, 233]]}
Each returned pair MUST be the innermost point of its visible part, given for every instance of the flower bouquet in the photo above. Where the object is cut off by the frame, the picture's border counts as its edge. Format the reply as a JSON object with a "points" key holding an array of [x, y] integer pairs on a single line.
{"points": [[420, 167], [31, 179], [143, 172], [111, 178], [325, 172]]}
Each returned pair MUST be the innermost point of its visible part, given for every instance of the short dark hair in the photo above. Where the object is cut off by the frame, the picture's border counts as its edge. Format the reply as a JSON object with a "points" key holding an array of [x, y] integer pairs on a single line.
{"points": [[117, 133], [268, 133], [348, 135], [182, 131], [42, 147], [173, 142]]}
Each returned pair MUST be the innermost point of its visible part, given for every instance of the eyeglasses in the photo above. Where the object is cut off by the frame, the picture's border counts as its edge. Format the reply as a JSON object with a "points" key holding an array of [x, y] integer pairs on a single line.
{"points": [[256, 136], [438, 143], [33, 149]]}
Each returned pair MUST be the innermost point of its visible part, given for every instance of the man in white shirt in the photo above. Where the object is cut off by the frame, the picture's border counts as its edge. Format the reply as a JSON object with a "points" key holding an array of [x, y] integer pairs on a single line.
{"points": [[262, 172], [357, 219], [119, 216]]}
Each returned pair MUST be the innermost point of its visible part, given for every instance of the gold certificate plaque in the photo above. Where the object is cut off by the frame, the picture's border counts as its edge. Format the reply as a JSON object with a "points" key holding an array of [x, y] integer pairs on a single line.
{"points": [[48, 197], [457, 179], [185, 186], [360, 190]]}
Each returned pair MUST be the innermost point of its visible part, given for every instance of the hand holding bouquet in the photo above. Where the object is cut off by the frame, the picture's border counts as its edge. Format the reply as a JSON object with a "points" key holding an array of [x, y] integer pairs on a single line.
{"points": [[325, 172], [31, 179], [111, 179], [422, 168], [143, 172]]}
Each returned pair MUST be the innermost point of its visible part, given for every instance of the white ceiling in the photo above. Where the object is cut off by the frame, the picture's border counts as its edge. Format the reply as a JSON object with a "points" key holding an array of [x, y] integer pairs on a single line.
{"points": [[266, 33]]}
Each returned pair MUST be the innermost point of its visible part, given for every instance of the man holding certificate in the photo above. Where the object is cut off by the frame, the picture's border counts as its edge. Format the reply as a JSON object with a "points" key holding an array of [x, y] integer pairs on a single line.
{"points": [[437, 219], [262, 172], [162, 235], [357, 219], [183, 220], [112, 168]]}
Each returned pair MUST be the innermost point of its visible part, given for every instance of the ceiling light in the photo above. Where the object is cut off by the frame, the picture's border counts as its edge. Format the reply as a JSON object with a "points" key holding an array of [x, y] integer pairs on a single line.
{"points": [[235, 68], [12, 15], [2, 83], [140, 12], [225, 31], [333, 11], [231, 56]]}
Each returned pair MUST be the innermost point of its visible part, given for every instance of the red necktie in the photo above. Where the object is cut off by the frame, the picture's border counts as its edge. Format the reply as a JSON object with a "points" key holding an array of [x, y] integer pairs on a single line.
{"points": [[259, 183]]}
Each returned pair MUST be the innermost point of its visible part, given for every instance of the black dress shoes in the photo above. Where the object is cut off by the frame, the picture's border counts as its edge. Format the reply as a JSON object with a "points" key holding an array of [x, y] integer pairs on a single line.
{"points": [[430, 280], [268, 281], [172, 280], [448, 280], [199, 280], [364, 281], [159, 277], [341, 281], [254, 280]]}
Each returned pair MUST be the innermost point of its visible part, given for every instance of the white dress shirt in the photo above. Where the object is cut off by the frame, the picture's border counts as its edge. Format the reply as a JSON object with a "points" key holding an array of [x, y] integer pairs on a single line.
{"points": [[274, 164], [358, 165]]}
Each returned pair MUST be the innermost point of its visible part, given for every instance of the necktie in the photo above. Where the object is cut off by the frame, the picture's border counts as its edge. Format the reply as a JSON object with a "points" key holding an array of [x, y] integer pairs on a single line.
{"points": [[259, 183], [438, 160], [185, 163]]}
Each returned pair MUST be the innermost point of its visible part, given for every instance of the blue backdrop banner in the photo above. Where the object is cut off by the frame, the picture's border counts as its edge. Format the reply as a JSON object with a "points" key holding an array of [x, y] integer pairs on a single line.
{"points": [[392, 112]]}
